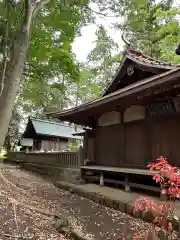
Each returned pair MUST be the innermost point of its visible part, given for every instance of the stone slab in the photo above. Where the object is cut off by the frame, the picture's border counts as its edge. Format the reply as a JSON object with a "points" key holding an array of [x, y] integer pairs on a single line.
{"points": [[111, 197]]}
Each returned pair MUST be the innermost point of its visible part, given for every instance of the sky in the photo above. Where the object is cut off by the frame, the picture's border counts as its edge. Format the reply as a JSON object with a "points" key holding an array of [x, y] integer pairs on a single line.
{"points": [[84, 44]]}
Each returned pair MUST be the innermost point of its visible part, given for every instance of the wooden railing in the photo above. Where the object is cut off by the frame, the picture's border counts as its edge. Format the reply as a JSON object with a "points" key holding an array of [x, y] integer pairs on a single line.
{"points": [[63, 159]]}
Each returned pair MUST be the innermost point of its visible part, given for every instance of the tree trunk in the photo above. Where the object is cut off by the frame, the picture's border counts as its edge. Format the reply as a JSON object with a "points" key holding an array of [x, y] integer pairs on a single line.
{"points": [[15, 67], [12, 82]]}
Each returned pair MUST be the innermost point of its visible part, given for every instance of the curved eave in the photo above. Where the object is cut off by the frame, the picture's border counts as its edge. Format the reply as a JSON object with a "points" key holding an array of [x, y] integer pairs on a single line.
{"points": [[156, 67], [75, 114]]}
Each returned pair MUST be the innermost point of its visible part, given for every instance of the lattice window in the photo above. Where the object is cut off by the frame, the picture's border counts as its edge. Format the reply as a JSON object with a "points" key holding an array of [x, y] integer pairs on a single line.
{"points": [[161, 108]]}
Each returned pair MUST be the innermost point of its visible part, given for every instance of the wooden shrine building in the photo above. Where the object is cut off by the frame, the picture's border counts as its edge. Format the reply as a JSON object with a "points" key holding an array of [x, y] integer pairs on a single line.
{"points": [[46, 135], [136, 119]]}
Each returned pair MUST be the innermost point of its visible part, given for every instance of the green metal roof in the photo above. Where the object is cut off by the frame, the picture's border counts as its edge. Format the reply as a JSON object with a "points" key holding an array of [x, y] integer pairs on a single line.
{"points": [[44, 127]]}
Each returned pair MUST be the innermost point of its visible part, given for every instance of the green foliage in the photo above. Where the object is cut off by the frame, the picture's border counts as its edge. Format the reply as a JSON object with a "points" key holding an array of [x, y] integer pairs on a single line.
{"points": [[52, 77], [51, 65], [73, 145], [51, 59], [151, 27], [98, 71], [12, 136], [104, 63]]}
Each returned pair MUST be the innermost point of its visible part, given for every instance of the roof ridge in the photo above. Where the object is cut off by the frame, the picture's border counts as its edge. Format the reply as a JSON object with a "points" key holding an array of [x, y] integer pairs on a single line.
{"points": [[139, 58], [50, 122], [139, 54]]}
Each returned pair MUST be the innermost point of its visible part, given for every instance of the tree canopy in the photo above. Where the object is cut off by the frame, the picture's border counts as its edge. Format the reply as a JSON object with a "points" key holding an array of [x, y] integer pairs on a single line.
{"points": [[37, 57], [151, 26], [52, 78]]}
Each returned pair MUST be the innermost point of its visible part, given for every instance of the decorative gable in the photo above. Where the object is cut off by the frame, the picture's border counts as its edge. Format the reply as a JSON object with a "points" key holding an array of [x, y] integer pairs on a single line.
{"points": [[109, 118], [133, 113], [135, 66]]}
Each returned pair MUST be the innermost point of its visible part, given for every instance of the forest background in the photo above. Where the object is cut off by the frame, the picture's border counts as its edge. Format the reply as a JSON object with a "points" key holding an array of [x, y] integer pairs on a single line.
{"points": [[73, 50]]}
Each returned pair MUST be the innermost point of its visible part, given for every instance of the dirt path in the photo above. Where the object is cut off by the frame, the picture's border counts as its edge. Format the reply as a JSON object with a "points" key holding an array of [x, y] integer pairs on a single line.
{"points": [[86, 216], [18, 221]]}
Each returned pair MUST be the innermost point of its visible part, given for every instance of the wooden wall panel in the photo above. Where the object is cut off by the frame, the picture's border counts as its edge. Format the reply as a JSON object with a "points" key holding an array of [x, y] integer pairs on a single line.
{"points": [[62, 145], [165, 139], [109, 118], [135, 144], [159, 139], [174, 139], [85, 139], [90, 148], [134, 113], [54, 145], [108, 145]]}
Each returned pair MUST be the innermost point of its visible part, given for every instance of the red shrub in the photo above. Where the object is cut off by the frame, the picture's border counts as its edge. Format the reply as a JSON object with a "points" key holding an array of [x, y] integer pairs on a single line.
{"points": [[169, 179]]}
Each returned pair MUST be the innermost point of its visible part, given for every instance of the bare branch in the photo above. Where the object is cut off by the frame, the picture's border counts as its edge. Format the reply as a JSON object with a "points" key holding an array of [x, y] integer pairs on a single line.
{"points": [[12, 2], [28, 9], [31, 9], [100, 13], [124, 40], [15, 216], [38, 6]]}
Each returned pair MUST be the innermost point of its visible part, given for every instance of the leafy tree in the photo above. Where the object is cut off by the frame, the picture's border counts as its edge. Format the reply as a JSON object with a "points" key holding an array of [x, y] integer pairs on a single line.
{"points": [[36, 58], [151, 27], [89, 87], [12, 136], [86, 89], [73, 145], [42, 40], [102, 60], [97, 71]]}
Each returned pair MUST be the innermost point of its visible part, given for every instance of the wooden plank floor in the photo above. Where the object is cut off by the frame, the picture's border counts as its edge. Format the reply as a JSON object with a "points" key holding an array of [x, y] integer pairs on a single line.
{"points": [[120, 170]]}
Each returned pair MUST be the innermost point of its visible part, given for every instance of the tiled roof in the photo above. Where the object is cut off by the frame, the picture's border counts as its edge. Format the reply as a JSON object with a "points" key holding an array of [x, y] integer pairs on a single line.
{"points": [[142, 60], [44, 127], [135, 55]]}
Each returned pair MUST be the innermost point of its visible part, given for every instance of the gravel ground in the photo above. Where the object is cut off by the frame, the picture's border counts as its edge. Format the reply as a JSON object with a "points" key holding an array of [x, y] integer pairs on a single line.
{"points": [[86, 216]]}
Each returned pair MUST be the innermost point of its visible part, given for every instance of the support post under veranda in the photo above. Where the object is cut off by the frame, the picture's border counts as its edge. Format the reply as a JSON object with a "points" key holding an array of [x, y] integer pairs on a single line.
{"points": [[101, 179], [127, 186]]}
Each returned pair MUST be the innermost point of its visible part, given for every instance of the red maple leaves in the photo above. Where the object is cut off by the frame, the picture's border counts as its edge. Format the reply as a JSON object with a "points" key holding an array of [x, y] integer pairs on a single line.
{"points": [[167, 175], [169, 178]]}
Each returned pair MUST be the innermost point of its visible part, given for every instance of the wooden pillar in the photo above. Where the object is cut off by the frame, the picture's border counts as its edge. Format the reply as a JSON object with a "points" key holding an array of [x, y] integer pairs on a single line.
{"points": [[101, 179], [127, 187], [123, 152], [163, 194], [147, 134], [82, 174], [95, 146], [80, 156], [85, 142]]}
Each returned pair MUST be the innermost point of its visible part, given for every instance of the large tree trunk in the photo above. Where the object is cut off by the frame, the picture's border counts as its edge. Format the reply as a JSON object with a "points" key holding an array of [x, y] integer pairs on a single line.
{"points": [[15, 66], [12, 83]]}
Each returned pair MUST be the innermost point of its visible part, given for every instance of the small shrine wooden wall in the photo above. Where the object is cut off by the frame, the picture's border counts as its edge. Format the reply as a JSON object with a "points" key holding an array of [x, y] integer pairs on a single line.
{"points": [[136, 136]]}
